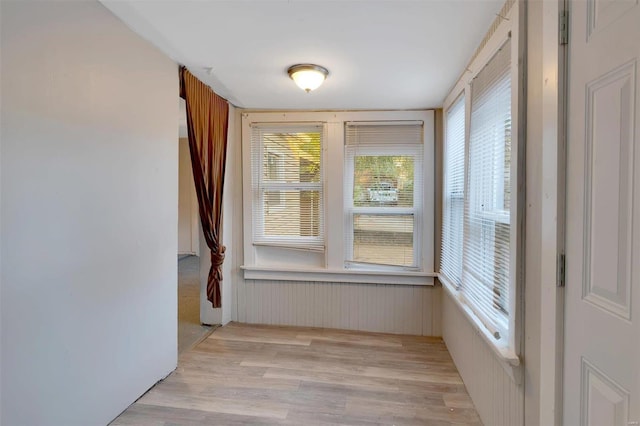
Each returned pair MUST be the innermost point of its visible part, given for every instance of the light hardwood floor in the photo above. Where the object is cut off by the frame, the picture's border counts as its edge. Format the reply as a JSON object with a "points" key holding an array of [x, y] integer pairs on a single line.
{"points": [[248, 375]]}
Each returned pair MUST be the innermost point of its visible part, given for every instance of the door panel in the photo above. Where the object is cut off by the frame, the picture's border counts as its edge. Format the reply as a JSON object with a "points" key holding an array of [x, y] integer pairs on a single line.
{"points": [[602, 401], [602, 328], [609, 191]]}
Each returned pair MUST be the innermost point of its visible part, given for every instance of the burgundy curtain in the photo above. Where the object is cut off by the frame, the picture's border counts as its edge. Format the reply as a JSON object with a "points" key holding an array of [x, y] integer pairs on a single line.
{"points": [[207, 120]]}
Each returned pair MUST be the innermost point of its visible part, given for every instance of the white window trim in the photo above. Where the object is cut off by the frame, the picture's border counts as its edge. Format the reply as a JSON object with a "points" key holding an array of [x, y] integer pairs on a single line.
{"points": [[506, 350], [339, 275], [333, 269]]}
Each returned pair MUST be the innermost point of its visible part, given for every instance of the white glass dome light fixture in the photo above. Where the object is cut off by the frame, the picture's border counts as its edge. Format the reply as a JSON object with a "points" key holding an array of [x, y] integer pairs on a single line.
{"points": [[308, 77]]}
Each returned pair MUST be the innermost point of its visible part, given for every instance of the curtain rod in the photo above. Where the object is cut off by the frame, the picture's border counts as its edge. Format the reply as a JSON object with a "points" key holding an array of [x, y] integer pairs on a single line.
{"points": [[181, 66]]}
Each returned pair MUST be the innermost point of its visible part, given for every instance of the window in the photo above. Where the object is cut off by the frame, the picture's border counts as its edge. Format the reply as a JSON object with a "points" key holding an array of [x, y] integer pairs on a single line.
{"points": [[453, 193], [486, 265], [287, 185], [478, 236], [383, 194], [339, 196]]}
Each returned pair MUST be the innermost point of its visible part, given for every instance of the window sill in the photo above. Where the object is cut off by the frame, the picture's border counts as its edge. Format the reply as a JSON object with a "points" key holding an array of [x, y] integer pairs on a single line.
{"points": [[339, 276], [507, 357]]}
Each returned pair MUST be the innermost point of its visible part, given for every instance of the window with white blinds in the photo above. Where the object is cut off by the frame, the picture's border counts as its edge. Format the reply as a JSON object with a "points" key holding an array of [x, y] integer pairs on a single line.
{"points": [[486, 272], [383, 194], [453, 193], [287, 185]]}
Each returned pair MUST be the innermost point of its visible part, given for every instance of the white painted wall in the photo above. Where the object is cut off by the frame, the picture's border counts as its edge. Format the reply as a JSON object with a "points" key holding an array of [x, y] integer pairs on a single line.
{"points": [[188, 217], [543, 352], [88, 220], [387, 307], [234, 220], [1, 209]]}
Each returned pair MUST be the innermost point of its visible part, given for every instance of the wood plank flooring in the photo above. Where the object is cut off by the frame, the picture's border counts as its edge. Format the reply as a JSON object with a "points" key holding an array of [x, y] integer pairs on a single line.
{"points": [[190, 331], [265, 375]]}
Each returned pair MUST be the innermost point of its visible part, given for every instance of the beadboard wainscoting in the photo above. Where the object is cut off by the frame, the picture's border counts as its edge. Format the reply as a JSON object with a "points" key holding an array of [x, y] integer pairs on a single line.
{"points": [[497, 398], [365, 307]]}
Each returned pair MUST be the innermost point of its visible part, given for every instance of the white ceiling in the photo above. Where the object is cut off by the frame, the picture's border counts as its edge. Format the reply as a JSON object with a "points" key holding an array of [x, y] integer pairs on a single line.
{"points": [[381, 54]]}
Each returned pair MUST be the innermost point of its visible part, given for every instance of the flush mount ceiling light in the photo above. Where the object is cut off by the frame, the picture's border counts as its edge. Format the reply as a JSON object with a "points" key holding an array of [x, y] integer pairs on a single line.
{"points": [[308, 77]]}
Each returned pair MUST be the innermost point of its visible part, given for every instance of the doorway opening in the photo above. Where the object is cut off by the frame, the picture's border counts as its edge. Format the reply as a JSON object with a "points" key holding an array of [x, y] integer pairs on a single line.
{"points": [[190, 329]]}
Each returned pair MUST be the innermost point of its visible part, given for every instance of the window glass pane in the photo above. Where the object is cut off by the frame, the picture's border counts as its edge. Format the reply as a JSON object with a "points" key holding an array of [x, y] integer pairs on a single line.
{"points": [[291, 157], [274, 167], [383, 239], [383, 180], [292, 213], [272, 199]]}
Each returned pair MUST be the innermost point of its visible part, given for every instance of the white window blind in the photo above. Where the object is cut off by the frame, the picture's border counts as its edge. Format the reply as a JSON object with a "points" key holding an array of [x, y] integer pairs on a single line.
{"points": [[487, 228], [453, 193], [383, 194], [287, 184]]}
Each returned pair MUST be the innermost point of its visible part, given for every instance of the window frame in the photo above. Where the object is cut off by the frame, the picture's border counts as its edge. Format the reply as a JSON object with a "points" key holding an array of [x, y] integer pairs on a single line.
{"points": [[260, 188], [274, 263], [506, 347], [491, 219], [416, 210]]}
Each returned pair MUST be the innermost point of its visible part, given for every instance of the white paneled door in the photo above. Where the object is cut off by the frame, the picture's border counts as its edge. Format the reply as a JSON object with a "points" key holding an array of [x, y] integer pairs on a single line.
{"points": [[602, 324]]}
